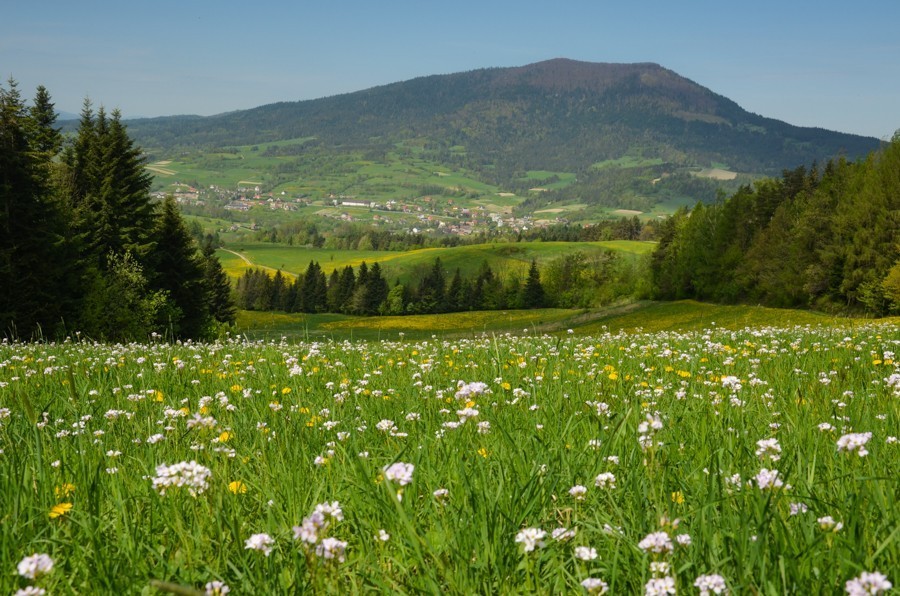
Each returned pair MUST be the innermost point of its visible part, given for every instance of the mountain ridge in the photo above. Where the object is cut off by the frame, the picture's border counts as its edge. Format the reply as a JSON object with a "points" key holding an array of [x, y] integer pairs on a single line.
{"points": [[555, 115]]}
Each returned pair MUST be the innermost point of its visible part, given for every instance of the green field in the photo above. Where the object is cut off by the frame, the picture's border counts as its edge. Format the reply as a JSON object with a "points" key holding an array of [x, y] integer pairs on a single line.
{"points": [[637, 317], [502, 257]]}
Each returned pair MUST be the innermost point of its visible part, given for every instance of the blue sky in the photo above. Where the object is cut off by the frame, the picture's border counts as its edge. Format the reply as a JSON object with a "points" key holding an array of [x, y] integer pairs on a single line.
{"points": [[829, 64]]}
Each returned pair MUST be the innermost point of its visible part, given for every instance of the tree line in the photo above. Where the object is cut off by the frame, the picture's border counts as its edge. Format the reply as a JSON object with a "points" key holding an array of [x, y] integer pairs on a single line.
{"points": [[824, 238], [575, 280], [82, 246]]}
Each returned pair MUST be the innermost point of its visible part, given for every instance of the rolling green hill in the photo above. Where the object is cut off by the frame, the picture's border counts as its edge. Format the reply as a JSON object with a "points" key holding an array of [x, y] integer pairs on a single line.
{"points": [[501, 257]]}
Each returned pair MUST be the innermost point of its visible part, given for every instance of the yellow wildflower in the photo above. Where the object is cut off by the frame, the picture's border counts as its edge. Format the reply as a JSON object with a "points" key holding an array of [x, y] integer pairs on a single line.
{"points": [[59, 510], [237, 487], [64, 490]]}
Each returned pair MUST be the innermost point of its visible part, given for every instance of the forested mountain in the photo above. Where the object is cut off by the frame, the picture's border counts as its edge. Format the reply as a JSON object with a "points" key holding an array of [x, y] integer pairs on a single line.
{"points": [[560, 115]]}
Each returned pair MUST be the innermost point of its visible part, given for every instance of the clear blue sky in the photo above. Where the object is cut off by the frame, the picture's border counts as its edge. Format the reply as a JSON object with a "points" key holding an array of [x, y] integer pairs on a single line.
{"points": [[830, 64]]}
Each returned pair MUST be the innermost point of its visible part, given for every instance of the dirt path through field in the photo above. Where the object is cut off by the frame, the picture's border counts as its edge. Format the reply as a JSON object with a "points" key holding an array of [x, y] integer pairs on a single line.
{"points": [[252, 264]]}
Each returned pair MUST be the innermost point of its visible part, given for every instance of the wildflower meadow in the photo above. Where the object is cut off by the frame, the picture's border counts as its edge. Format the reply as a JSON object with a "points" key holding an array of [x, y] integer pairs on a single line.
{"points": [[759, 461]]}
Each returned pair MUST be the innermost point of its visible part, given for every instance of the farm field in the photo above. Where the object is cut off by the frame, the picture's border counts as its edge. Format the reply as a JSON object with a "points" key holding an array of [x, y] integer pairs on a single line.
{"points": [[762, 459], [501, 257], [290, 167]]}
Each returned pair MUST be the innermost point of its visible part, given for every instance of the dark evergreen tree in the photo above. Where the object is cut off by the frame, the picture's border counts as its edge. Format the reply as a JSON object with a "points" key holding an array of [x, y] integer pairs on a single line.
{"points": [[376, 290], [220, 298], [30, 227], [178, 270], [46, 138], [345, 290], [455, 296], [432, 292], [280, 292], [533, 292]]}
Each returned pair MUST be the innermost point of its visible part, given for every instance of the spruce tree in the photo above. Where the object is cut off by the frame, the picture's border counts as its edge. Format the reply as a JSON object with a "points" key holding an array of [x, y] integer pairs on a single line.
{"points": [[533, 292], [220, 298], [178, 270], [30, 226], [376, 290]]}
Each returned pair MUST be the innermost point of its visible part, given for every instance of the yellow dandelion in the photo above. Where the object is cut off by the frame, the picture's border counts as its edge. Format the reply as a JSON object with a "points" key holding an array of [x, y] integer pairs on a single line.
{"points": [[613, 376], [225, 436], [158, 396], [483, 452], [235, 387], [285, 390], [505, 385], [59, 510], [678, 497], [237, 487]]}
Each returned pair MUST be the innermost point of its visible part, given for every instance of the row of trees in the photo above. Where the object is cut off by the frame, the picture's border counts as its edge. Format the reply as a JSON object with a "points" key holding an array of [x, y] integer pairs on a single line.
{"points": [[575, 280], [826, 239], [365, 291], [82, 246]]}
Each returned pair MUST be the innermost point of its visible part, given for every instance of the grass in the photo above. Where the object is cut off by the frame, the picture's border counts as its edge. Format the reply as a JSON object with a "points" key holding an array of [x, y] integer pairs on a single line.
{"points": [[637, 317], [508, 425], [502, 257]]}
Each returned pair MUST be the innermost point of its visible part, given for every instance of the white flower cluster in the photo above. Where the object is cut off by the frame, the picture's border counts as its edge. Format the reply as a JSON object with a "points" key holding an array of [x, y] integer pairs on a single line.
{"points": [[711, 584], [399, 473], [190, 475], [647, 429], [36, 565], [893, 382], [531, 538], [854, 442], [331, 549], [768, 448], [466, 391], [605, 480], [319, 521], [260, 542], [868, 583], [656, 542], [768, 480], [595, 585]]}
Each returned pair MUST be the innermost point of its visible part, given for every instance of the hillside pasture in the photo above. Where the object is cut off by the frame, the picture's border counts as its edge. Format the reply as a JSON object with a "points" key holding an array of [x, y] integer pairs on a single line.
{"points": [[503, 258]]}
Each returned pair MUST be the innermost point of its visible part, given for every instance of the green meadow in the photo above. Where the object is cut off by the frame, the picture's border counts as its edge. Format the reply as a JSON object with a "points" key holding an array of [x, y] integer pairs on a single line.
{"points": [[719, 457]]}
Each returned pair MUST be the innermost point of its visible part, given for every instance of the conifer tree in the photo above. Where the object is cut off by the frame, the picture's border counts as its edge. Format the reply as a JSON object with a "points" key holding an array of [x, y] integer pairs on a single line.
{"points": [[376, 290], [30, 227], [533, 292], [178, 270], [219, 293]]}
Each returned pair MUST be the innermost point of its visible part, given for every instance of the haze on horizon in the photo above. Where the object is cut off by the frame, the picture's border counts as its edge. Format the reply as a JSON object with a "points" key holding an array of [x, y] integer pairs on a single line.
{"points": [[820, 64]]}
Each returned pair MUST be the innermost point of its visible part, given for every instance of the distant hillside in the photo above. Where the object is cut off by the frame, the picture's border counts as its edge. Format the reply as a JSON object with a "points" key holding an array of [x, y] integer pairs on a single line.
{"points": [[558, 116]]}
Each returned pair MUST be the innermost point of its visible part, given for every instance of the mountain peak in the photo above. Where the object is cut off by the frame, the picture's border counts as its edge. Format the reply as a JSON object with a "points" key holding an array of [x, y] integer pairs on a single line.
{"points": [[564, 74]]}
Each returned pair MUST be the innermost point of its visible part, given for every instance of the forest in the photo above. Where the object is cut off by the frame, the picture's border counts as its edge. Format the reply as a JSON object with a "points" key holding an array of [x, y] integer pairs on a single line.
{"points": [[826, 238], [83, 249]]}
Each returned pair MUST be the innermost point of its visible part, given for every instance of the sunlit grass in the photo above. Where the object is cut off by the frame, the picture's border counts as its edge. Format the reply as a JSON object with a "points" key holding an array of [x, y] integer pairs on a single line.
{"points": [[507, 424]]}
